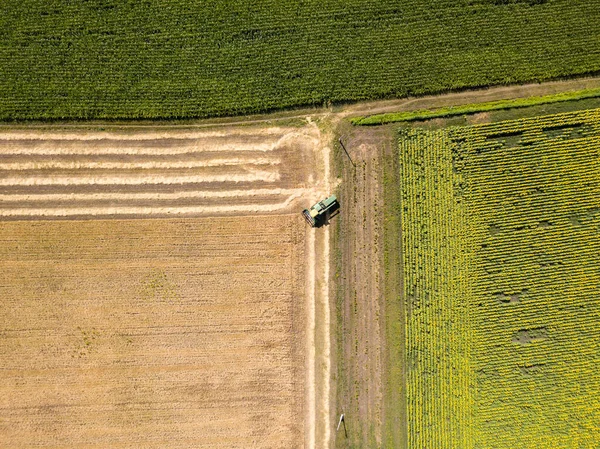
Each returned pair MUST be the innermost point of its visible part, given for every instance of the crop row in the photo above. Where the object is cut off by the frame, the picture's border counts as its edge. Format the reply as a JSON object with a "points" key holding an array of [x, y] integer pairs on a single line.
{"points": [[435, 257], [104, 58], [501, 226]]}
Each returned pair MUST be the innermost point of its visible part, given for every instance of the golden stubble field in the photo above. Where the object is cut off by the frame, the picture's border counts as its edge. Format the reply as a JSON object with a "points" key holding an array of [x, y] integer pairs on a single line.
{"points": [[122, 328]]}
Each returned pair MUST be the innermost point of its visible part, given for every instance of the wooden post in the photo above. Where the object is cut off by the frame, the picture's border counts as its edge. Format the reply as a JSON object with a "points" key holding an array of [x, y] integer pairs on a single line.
{"points": [[342, 420], [340, 423]]}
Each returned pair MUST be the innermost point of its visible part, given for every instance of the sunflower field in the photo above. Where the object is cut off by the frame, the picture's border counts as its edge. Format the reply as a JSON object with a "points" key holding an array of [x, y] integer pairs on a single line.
{"points": [[501, 252]]}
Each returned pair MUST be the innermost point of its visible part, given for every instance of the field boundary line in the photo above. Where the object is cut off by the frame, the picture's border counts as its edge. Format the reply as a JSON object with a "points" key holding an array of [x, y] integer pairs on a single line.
{"points": [[356, 109], [33, 133], [326, 341], [326, 154], [311, 373], [251, 175], [472, 108], [133, 210], [146, 165]]}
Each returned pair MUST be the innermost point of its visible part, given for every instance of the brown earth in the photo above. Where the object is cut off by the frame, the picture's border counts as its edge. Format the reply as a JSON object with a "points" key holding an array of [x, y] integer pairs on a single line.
{"points": [[104, 344], [360, 282], [186, 332]]}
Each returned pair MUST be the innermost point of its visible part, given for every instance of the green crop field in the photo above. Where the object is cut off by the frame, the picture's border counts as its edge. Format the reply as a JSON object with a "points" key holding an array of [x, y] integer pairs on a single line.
{"points": [[501, 241], [169, 59]]}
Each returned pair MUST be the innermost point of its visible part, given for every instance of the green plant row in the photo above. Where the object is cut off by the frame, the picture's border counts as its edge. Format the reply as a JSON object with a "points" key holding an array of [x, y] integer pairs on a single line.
{"points": [[191, 58], [473, 108]]}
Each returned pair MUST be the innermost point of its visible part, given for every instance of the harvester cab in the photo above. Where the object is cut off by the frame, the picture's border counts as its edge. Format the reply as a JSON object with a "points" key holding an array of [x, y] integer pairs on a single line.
{"points": [[321, 212]]}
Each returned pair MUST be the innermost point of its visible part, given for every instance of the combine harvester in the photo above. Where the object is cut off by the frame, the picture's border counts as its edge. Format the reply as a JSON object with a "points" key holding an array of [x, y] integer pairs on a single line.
{"points": [[321, 212]]}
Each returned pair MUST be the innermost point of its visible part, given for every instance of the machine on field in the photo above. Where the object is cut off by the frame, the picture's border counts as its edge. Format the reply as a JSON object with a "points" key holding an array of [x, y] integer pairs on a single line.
{"points": [[321, 212]]}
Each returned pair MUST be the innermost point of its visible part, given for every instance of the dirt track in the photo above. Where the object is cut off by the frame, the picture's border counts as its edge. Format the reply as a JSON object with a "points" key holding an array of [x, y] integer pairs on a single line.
{"points": [[359, 242]]}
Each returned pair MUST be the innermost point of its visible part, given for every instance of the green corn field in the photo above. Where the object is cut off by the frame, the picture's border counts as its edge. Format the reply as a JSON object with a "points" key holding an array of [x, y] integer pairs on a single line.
{"points": [[191, 58], [501, 243]]}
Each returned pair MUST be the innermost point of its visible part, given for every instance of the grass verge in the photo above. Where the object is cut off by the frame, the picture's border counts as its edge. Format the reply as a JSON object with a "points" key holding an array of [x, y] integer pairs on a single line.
{"points": [[424, 114], [394, 425]]}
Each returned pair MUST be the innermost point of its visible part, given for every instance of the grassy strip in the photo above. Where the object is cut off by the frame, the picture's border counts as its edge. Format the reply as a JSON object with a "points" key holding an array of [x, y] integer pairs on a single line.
{"points": [[394, 424], [425, 114]]}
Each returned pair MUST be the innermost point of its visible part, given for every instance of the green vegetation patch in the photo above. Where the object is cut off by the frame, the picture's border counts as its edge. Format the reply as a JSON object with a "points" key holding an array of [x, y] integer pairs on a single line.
{"points": [[176, 59], [501, 249], [425, 114]]}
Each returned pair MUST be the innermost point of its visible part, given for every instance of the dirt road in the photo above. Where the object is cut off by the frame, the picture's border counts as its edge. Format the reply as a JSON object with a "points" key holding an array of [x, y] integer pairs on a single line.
{"points": [[360, 296]]}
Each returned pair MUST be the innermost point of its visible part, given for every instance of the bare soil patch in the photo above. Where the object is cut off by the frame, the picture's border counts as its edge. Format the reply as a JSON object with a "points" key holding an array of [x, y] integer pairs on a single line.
{"points": [[360, 296]]}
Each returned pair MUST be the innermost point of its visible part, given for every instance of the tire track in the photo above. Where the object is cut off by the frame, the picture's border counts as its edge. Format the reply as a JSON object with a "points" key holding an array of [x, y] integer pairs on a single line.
{"points": [[275, 133], [251, 175], [203, 194], [132, 210], [146, 143]]}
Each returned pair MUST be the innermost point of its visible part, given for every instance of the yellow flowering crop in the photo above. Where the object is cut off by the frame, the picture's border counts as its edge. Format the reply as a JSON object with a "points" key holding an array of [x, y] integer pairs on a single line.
{"points": [[501, 249]]}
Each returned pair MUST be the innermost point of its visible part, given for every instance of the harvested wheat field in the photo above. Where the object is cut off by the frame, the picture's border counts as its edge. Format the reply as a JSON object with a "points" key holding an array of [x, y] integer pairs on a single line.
{"points": [[160, 289], [152, 333]]}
